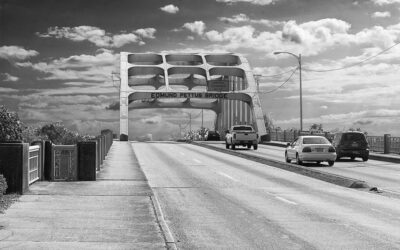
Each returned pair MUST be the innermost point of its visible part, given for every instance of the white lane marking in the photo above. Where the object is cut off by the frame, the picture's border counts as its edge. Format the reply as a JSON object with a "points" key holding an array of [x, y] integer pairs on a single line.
{"points": [[285, 200], [227, 176], [182, 153], [198, 161]]}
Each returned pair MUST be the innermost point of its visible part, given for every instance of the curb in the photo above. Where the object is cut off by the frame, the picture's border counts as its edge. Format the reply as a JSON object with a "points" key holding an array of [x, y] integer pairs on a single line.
{"points": [[316, 174], [169, 239]]}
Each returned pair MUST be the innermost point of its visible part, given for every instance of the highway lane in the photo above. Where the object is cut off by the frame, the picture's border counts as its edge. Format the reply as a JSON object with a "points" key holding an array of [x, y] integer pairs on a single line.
{"points": [[214, 200], [384, 175]]}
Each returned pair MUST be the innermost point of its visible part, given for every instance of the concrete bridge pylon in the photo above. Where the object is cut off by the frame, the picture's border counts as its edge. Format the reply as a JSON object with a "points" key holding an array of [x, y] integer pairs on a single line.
{"points": [[223, 83]]}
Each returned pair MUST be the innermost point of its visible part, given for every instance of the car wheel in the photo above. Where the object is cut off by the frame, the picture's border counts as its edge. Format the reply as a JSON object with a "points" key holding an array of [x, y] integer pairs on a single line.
{"points": [[249, 146], [352, 158], [226, 145], [318, 162], [330, 163], [365, 158], [287, 158], [298, 161], [255, 146], [233, 146]]}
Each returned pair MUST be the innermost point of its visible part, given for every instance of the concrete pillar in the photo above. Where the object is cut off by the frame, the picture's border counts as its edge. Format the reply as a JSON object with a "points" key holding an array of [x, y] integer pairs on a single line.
{"points": [[14, 163], [123, 99], [87, 160], [386, 143]]}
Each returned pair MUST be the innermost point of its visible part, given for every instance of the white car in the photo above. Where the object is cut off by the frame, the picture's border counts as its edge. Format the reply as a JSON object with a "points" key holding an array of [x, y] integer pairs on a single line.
{"points": [[310, 148]]}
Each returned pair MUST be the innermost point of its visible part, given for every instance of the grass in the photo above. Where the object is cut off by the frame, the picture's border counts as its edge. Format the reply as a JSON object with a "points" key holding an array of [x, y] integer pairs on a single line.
{"points": [[6, 201]]}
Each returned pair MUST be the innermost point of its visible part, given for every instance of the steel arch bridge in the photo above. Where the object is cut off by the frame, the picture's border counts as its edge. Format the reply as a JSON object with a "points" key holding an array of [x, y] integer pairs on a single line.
{"points": [[223, 83]]}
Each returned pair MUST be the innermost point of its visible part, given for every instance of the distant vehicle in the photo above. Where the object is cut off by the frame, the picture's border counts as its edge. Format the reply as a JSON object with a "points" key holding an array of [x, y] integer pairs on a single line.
{"points": [[351, 144], [212, 136], [241, 135], [310, 148]]}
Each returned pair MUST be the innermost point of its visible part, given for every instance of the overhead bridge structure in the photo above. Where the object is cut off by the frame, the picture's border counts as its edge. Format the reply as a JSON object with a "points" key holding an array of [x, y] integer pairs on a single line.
{"points": [[223, 83]]}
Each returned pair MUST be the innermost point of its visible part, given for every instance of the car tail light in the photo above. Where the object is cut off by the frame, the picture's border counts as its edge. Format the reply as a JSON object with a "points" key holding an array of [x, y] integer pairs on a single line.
{"points": [[331, 150], [234, 136], [306, 150], [257, 136]]}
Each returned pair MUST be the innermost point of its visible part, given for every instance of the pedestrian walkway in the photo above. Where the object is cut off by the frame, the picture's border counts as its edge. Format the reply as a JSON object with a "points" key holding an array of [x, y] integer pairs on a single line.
{"points": [[114, 212]]}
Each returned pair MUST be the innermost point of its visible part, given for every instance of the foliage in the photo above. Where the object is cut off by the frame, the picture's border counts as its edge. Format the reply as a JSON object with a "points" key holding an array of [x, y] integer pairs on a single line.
{"points": [[30, 134], [60, 135], [3, 185], [269, 125], [316, 127], [10, 125]]}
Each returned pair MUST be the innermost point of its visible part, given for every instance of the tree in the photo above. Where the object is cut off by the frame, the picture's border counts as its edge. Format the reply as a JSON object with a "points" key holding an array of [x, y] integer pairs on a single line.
{"points": [[316, 127], [60, 135], [10, 125]]}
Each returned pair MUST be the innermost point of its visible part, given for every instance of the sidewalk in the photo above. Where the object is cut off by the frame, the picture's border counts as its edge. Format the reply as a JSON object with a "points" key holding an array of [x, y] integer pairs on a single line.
{"points": [[114, 212], [394, 158]]}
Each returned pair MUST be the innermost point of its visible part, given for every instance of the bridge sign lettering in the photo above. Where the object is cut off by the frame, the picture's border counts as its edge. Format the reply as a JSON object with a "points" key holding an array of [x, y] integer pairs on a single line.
{"points": [[154, 95]]}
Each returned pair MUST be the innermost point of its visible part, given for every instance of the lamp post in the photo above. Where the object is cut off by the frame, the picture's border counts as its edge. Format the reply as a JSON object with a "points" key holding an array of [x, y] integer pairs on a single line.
{"points": [[298, 57]]}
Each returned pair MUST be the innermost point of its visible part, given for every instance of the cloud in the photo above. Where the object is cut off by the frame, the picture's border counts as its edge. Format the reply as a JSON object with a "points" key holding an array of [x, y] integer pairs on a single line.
{"points": [[98, 36], [381, 14], [18, 53], [170, 8], [385, 2], [241, 18], [152, 120], [83, 67], [197, 27], [9, 78], [255, 2]]}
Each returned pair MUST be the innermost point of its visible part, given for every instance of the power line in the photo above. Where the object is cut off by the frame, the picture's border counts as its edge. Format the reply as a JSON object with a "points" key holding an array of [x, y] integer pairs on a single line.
{"points": [[279, 73], [354, 64], [287, 80]]}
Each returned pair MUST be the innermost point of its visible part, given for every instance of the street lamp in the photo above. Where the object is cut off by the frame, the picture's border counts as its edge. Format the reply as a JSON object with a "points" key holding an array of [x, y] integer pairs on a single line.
{"points": [[298, 57]]}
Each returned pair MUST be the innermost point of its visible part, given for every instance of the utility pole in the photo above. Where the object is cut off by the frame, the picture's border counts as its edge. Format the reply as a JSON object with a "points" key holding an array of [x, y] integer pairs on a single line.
{"points": [[190, 122], [202, 128]]}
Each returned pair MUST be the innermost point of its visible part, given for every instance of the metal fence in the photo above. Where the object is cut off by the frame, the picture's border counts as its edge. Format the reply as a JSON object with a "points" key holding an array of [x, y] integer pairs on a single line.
{"points": [[64, 162], [33, 163]]}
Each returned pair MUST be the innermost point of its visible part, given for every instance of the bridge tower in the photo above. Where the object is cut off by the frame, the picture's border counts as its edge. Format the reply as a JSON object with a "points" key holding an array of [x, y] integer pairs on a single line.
{"points": [[223, 83]]}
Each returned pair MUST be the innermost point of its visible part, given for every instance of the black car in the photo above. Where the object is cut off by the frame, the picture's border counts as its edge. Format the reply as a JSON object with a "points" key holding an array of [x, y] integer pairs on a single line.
{"points": [[212, 136], [351, 144]]}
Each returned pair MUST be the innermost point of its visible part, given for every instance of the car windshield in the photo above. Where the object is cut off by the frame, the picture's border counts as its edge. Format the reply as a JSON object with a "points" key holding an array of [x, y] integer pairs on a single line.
{"points": [[315, 140], [241, 128], [353, 137]]}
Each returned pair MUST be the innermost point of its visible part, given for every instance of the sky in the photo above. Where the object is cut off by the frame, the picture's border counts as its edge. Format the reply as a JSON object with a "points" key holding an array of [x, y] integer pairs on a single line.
{"points": [[59, 60]]}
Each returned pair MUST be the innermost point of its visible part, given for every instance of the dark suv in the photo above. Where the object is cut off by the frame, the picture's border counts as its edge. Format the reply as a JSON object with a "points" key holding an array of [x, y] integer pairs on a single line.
{"points": [[351, 144]]}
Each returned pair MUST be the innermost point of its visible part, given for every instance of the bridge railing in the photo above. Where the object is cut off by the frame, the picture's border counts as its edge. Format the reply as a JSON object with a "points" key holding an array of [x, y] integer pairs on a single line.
{"points": [[386, 143]]}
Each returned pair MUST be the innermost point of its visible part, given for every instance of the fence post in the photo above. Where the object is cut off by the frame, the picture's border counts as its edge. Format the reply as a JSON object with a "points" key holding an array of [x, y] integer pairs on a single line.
{"points": [[386, 143]]}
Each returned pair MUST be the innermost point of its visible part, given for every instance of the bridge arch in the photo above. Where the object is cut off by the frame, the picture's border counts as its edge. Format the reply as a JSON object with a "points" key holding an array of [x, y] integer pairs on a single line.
{"points": [[150, 80]]}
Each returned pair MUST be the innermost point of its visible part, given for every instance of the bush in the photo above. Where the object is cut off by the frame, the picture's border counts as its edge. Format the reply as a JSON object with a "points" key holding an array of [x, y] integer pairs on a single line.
{"points": [[10, 126], [3, 185], [60, 135]]}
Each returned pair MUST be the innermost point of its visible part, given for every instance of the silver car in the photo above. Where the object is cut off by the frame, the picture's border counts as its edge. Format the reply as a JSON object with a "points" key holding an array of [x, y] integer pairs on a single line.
{"points": [[310, 148]]}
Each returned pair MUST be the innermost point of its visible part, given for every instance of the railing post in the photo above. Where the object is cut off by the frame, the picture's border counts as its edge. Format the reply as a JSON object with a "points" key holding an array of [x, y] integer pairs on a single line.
{"points": [[386, 143], [284, 136]]}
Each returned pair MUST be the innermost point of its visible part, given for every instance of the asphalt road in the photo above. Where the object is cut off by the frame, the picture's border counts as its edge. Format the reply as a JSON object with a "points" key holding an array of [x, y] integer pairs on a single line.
{"points": [[214, 200], [380, 174]]}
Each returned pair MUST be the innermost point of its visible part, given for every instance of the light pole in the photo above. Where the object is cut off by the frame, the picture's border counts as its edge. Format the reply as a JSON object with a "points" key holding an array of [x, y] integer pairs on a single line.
{"points": [[298, 57]]}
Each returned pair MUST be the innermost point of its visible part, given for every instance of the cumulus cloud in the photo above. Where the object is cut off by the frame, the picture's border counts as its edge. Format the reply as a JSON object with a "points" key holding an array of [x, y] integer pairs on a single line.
{"points": [[12, 53], [170, 8], [9, 78], [381, 14], [98, 36], [242, 18], [83, 67], [309, 38], [385, 2], [197, 27], [256, 2]]}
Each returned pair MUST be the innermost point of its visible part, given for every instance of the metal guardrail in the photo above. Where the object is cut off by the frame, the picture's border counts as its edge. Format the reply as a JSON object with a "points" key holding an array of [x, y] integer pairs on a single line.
{"points": [[33, 169]]}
